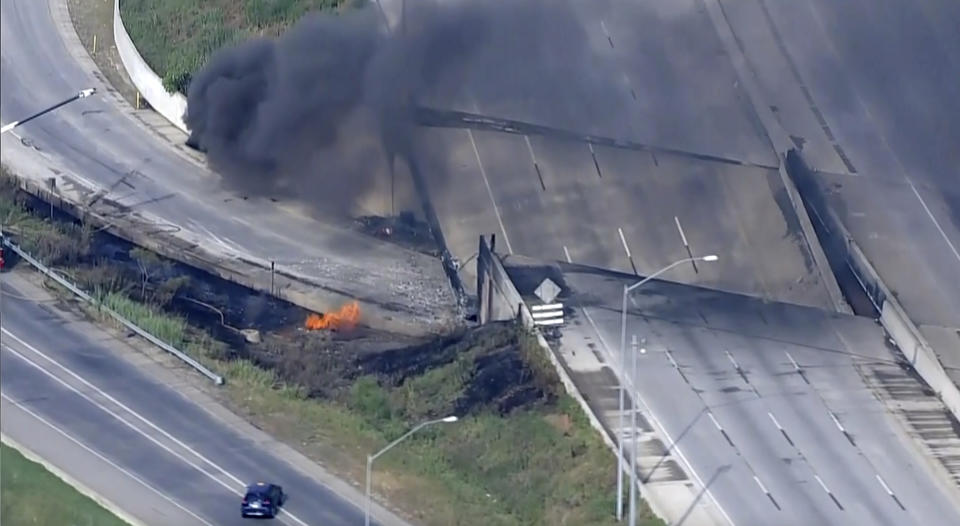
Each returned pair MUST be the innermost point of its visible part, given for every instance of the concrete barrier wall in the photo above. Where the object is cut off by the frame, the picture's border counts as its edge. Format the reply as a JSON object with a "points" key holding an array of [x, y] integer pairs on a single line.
{"points": [[813, 242], [502, 302], [841, 247], [499, 300], [172, 106]]}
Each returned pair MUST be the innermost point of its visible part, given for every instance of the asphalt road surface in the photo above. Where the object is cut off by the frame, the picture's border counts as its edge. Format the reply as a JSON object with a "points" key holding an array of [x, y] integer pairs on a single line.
{"points": [[866, 89], [869, 89], [720, 374], [96, 144], [667, 85], [72, 390]]}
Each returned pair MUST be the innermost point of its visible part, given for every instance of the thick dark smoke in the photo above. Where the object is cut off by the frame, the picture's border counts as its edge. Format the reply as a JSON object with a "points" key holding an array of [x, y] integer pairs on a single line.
{"points": [[320, 111]]}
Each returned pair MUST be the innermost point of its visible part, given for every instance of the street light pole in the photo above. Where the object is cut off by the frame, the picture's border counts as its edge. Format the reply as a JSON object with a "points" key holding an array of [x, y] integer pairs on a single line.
{"points": [[621, 461], [633, 453], [371, 458], [82, 94]]}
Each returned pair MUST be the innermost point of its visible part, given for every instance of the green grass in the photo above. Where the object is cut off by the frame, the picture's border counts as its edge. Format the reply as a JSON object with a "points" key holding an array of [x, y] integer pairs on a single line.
{"points": [[171, 329], [29, 494], [176, 37], [539, 465]]}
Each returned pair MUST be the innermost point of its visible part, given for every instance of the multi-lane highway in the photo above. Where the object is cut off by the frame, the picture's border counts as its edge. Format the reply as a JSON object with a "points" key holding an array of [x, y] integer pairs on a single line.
{"points": [[662, 68], [124, 426], [863, 87], [777, 408], [868, 89], [97, 144]]}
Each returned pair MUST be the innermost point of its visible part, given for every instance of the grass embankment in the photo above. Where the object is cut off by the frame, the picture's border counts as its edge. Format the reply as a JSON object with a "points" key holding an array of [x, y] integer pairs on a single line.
{"points": [[177, 36], [522, 454], [29, 494]]}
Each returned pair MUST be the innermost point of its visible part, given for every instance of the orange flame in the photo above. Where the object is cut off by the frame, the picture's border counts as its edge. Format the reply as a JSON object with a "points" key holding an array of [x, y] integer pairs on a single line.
{"points": [[345, 318]]}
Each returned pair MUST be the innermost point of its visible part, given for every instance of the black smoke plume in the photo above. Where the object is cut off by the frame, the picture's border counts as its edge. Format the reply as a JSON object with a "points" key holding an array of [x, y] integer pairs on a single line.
{"points": [[318, 112]]}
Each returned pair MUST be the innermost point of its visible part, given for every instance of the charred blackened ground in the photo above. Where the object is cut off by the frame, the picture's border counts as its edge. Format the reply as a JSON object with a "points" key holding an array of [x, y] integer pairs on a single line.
{"points": [[522, 451], [404, 229], [492, 368]]}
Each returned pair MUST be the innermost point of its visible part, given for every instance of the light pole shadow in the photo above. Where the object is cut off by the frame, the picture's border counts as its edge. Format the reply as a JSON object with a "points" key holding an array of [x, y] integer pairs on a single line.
{"points": [[716, 474], [669, 450]]}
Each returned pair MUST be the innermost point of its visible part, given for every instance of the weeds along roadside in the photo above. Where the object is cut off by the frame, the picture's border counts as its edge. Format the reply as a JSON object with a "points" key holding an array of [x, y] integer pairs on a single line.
{"points": [[29, 494], [523, 452]]}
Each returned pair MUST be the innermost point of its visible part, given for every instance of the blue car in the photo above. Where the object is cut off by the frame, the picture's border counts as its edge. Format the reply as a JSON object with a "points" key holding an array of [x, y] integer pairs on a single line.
{"points": [[262, 500]]}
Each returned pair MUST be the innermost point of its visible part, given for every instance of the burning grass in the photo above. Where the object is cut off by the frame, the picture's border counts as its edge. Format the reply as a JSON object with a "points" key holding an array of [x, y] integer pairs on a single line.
{"points": [[522, 454], [343, 319]]}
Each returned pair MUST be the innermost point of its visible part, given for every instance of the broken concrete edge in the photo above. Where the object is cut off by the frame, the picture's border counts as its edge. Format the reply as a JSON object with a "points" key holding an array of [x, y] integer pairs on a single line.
{"points": [[81, 488], [172, 106], [287, 285], [488, 262], [810, 238], [779, 141], [892, 316]]}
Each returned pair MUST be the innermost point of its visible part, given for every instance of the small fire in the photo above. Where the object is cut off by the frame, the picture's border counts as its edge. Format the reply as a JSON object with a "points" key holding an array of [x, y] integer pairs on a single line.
{"points": [[344, 318]]}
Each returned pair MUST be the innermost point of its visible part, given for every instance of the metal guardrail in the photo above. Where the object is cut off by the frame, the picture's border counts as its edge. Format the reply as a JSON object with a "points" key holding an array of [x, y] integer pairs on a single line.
{"points": [[217, 379]]}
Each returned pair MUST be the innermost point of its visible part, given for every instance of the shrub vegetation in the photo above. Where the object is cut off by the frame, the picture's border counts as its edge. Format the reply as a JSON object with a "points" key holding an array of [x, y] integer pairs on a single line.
{"points": [[176, 37], [523, 452]]}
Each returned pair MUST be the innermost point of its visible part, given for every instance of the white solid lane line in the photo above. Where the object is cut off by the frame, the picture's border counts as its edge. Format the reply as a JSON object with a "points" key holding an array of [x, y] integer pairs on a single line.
{"points": [[486, 182], [673, 446], [683, 236], [936, 223], [146, 421], [624, 241], [103, 458], [120, 419]]}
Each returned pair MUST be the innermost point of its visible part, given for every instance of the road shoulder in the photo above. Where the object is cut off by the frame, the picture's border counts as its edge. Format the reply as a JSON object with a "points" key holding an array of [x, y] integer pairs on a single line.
{"points": [[168, 371], [51, 461]]}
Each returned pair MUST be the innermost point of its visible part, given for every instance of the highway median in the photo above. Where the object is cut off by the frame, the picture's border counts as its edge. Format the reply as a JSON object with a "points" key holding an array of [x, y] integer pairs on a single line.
{"points": [[31, 494]]}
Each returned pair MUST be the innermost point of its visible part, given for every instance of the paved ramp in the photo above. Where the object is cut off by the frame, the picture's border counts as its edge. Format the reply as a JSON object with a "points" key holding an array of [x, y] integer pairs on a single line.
{"points": [[786, 414]]}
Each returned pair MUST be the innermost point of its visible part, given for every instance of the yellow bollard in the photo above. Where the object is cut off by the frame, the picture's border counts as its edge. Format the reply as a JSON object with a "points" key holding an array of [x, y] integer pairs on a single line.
{"points": [[138, 100], [94, 44]]}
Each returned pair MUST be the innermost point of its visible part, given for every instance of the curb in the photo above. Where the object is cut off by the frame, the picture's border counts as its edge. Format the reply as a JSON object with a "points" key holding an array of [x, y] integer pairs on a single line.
{"points": [[172, 106], [72, 482], [493, 280]]}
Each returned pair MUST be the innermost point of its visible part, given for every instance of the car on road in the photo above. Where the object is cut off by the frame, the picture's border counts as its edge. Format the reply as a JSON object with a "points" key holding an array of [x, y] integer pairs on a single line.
{"points": [[262, 500]]}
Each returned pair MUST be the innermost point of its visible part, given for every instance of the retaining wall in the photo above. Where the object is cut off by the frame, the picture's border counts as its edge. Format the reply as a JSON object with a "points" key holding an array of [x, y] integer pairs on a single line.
{"points": [[843, 250], [499, 300], [172, 106]]}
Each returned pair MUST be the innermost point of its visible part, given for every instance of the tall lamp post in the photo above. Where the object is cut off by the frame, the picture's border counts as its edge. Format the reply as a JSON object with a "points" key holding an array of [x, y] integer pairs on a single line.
{"points": [[621, 462], [82, 94], [371, 458]]}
